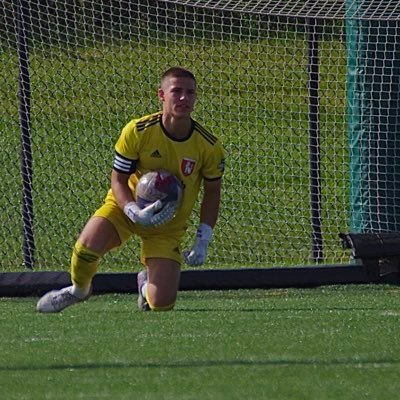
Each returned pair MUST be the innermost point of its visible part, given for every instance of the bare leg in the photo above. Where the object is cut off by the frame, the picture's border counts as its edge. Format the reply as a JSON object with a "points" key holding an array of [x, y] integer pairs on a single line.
{"points": [[99, 235], [163, 282]]}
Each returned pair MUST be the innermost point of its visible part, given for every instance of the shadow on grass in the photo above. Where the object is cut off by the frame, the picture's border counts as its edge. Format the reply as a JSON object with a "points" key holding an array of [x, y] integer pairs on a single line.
{"points": [[289, 309], [379, 363]]}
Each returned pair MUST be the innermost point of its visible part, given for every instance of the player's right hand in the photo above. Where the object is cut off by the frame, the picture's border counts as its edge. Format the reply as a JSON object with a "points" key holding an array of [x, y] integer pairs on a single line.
{"points": [[150, 215]]}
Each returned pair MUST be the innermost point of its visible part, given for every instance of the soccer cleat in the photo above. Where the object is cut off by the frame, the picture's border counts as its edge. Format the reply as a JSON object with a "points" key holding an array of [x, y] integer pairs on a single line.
{"points": [[142, 302], [56, 300]]}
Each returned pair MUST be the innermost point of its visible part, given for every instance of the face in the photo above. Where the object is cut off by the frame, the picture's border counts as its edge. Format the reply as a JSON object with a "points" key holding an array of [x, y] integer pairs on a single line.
{"points": [[178, 96]]}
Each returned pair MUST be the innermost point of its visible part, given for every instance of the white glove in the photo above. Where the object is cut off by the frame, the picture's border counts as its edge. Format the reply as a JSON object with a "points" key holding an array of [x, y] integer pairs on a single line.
{"points": [[149, 216], [197, 255]]}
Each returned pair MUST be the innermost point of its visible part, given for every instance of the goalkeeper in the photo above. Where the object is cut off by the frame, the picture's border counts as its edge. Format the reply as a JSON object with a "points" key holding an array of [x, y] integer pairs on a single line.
{"points": [[169, 139]]}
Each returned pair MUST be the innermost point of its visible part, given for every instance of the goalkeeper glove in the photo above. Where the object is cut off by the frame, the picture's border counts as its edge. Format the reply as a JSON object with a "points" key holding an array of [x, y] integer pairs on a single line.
{"points": [[197, 255], [150, 215]]}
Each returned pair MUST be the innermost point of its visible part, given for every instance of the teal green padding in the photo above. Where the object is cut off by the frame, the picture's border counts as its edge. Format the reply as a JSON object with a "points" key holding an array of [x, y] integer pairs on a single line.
{"points": [[373, 89]]}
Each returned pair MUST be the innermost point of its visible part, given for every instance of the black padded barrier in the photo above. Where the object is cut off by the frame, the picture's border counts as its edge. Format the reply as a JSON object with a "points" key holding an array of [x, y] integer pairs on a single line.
{"points": [[18, 284]]}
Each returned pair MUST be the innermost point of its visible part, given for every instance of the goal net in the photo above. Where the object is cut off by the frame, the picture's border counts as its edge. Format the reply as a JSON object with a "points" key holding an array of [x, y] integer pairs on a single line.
{"points": [[272, 81]]}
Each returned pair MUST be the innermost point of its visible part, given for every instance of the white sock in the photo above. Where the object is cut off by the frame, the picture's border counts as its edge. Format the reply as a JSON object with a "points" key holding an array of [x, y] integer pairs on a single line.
{"points": [[81, 293]]}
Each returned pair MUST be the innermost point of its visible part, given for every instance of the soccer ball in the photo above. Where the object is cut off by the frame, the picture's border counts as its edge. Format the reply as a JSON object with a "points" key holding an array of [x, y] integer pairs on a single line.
{"points": [[158, 185]]}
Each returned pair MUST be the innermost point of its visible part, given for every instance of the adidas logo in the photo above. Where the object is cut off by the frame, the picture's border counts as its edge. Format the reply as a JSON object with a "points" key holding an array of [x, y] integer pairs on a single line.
{"points": [[155, 154]]}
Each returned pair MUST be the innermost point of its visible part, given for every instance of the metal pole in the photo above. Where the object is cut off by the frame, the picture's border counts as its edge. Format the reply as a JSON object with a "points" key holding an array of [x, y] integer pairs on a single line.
{"points": [[314, 141], [22, 25]]}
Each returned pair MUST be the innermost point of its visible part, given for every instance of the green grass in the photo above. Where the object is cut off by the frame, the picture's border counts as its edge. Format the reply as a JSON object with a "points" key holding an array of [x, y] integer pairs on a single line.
{"points": [[334, 342]]}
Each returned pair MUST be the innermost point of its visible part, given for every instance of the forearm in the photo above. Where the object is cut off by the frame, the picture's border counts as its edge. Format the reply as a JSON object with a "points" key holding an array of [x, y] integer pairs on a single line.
{"points": [[209, 209], [121, 191]]}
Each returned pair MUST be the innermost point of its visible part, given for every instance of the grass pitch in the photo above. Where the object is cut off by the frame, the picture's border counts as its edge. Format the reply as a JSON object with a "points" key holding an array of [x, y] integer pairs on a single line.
{"points": [[334, 342]]}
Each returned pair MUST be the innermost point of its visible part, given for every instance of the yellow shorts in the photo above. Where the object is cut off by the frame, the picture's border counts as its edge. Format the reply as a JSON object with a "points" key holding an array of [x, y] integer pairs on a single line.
{"points": [[156, 242]]}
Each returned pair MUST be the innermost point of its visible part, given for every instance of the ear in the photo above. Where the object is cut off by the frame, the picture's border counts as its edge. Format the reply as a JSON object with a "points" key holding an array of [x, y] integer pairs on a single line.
{"points": [[161, 94]]}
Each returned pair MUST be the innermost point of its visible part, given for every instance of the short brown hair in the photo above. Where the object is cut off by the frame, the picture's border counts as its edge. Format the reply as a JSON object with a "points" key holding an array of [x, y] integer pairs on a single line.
{"points": [[177, 72]]}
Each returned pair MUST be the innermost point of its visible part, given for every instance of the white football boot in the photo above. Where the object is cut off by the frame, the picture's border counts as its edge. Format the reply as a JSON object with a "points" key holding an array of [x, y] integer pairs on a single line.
{"points": [[56, 300]]}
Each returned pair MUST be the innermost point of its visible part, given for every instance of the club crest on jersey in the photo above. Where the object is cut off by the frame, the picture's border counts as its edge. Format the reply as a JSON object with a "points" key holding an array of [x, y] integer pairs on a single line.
{"points": [[187, 166]]}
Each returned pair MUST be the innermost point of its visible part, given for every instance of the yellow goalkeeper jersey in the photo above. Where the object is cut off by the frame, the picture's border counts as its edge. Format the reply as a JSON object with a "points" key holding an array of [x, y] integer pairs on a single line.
{"points": [[144, 145]]}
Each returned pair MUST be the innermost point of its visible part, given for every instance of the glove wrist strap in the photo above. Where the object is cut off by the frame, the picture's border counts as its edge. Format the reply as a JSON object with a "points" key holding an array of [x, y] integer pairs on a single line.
{"points": [[204, 232], [131, 206]]}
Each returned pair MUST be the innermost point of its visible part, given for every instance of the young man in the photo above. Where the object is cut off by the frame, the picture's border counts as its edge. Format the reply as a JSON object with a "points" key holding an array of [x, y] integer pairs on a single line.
{"points": [[170, 140]]}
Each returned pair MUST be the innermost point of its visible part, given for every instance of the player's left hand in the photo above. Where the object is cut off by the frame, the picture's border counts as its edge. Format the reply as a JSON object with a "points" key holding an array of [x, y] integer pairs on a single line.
{"points": [[197, 254]]}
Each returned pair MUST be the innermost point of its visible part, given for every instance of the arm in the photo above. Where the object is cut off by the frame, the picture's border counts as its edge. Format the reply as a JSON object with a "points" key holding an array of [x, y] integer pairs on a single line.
{"points": [[210, 204], [208, 217], [120, 188]]}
